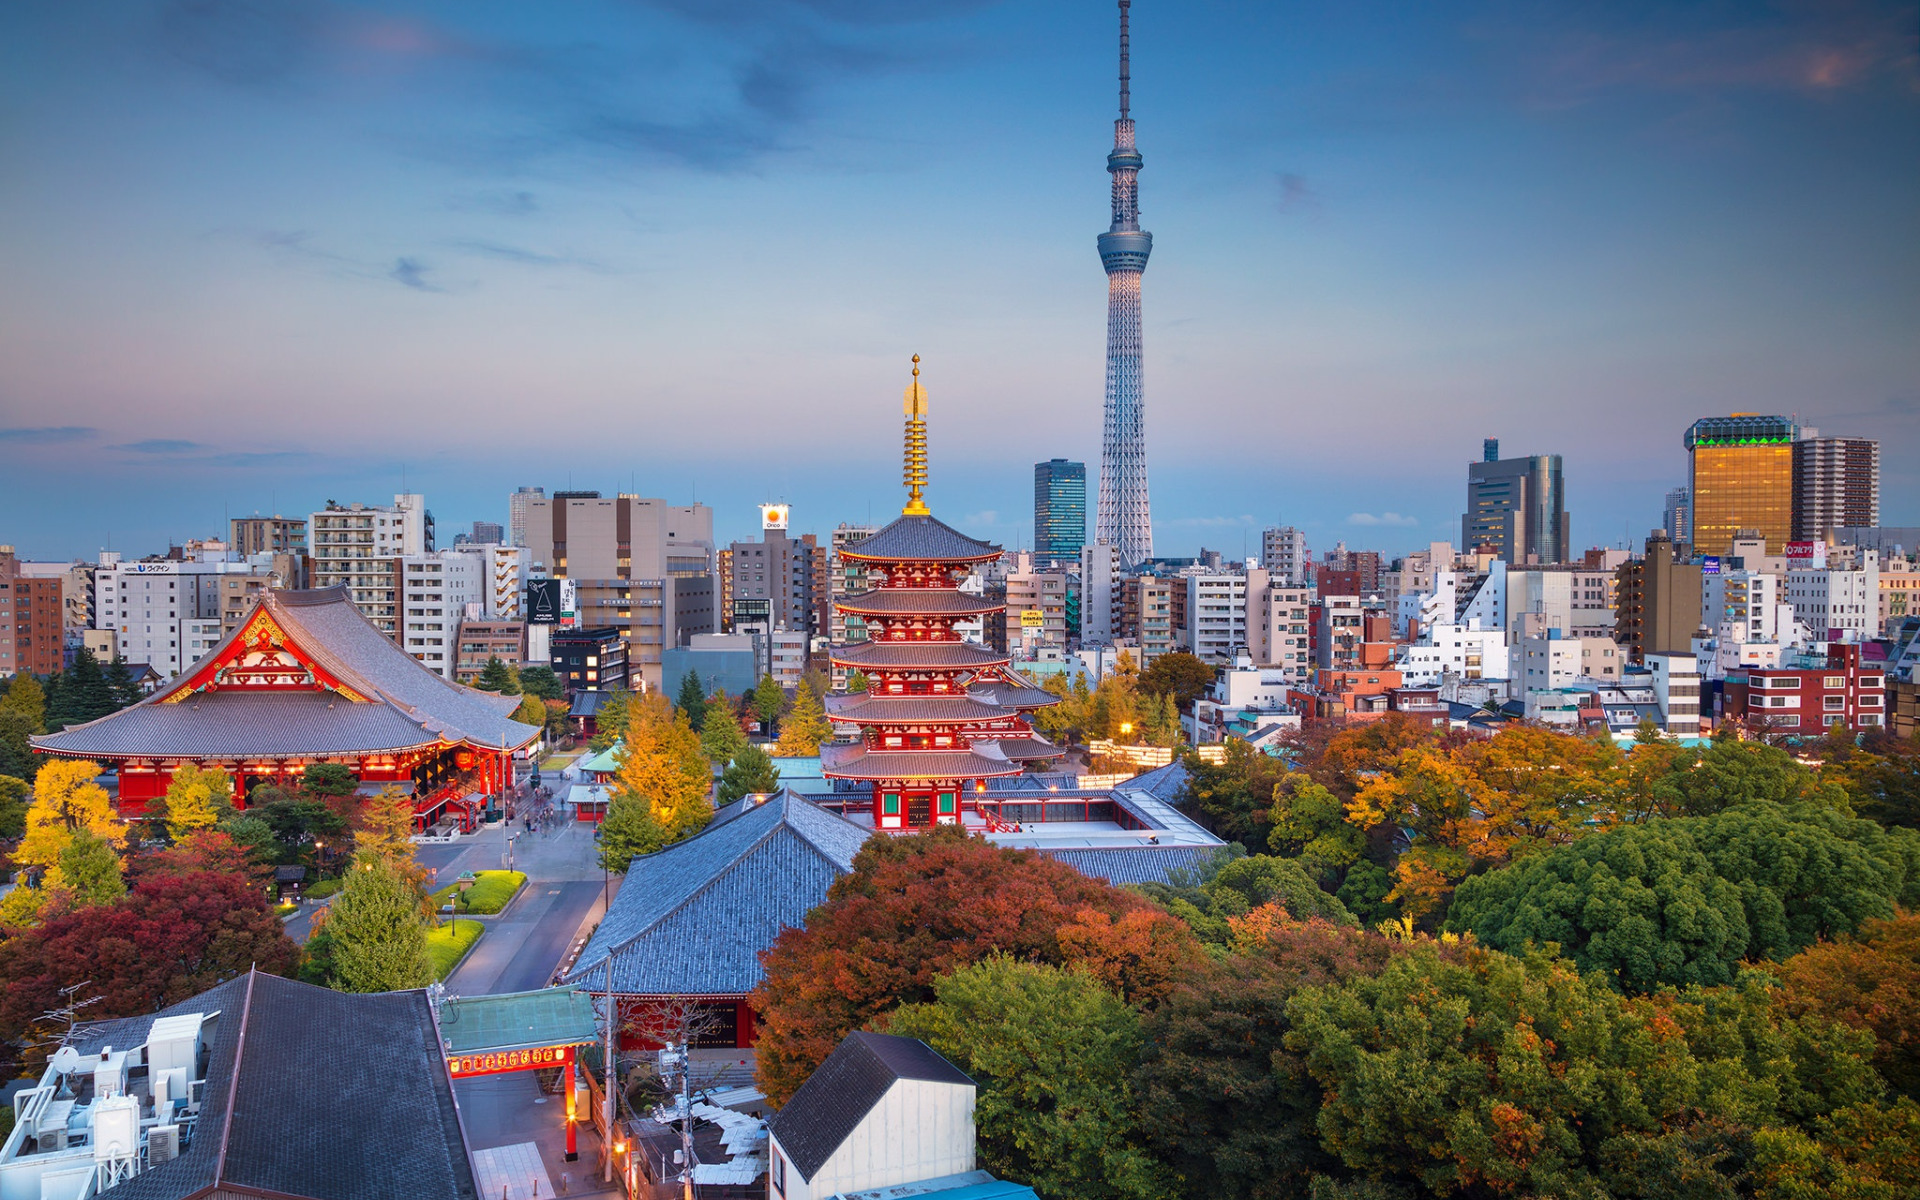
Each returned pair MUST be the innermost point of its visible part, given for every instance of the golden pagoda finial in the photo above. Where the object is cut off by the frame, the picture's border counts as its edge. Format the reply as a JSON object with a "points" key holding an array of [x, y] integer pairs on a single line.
{"points": [[916, 465]]}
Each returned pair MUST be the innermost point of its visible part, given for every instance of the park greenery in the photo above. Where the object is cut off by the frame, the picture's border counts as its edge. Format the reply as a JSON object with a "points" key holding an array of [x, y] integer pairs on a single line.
{"points": [[1532, 965], [663, 783]]}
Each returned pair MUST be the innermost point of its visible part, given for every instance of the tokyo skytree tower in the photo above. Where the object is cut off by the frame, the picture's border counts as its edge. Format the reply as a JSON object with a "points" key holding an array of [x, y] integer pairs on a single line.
{"points": [[1124, 519]]}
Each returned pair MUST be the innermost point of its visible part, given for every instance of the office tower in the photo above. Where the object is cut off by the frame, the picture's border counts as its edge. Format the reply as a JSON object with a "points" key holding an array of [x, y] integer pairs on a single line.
{"points": [[267, 535], [777, 575], [1059, 509], [1517, 506], [1489, 449], [1740, 477], [1659, 600], [517, 513], [1677, 516], [1836, 483], [1124, 519], [1284, 555], [487, 533]]}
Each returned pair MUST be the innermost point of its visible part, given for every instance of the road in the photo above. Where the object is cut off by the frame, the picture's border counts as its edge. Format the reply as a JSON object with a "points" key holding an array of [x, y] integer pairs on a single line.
{"points": [[524, 944]]}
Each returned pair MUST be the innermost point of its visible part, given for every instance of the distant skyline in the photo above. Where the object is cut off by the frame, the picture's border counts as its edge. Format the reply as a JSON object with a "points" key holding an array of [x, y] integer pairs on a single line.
{"points": [[261, 254]]}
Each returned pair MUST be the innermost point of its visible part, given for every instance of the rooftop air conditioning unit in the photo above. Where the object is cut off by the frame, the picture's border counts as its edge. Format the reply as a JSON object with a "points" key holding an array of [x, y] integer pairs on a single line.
{"points": [[163, 1144]]}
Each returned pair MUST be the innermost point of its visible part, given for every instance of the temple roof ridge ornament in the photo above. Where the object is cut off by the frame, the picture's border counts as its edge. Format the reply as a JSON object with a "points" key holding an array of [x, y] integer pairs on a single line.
{"points": [[915, 405]]}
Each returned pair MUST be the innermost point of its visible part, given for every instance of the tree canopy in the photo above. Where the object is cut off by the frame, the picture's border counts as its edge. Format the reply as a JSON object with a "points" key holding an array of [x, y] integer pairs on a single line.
{"points": [[692, 699], [66, 798], [721, 738], [376, 934], [541, 681], [768, 702], [1180, 675], [806, 726], [197, 798], [751, 772], [664, 785], [25, 696], [497, 676]]}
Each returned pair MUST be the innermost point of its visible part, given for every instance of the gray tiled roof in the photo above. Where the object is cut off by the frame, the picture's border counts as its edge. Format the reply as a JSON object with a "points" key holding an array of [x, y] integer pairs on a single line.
{"points": [[858, 762], [692, 919], [383, 1069], [1164, 783], [418, 705], [944, 602], [842, 1090], [1012, 695], [907, 655], [862, 707], [1027, 748], [923, 539], [235, 725], [1133, 864]]}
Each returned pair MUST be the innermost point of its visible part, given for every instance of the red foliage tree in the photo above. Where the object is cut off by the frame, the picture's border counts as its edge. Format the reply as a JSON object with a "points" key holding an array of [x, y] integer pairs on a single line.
{"points": [[203, 850], [175, 934], [918, 907]]}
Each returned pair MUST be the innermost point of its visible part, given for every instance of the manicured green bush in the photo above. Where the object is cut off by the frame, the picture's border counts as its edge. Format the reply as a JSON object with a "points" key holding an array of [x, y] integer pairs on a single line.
{"points": [[448, 944]]}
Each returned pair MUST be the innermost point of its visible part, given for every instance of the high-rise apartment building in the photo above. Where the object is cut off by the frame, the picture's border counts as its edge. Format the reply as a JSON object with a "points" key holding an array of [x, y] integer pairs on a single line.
{"points": [[1215, 617], [1741, 477], [1659, 600], [32, 619], [1100, 593], [1277, 620], [438, 591], [1284, 556], [1036, 612], [267, 535], [1677, 516], [1517, 506], [517, 513], [640, 566], [358, 546], [1836, 483], [1059, 510], [780, 569], [1145, 616], [846, 577]]}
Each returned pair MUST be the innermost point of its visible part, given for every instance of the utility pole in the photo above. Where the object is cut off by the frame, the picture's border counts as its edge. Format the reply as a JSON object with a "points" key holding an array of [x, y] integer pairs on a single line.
{"points": [[686, 1116], [613, 1023]]}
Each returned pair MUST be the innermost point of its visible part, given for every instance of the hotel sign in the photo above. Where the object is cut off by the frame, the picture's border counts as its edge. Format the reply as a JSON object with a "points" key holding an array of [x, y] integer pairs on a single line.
{"points": [[1032, 618], [495, 1062]]}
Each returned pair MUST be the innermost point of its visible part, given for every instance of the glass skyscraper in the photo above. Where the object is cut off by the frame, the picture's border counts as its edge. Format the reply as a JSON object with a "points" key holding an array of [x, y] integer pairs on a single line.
{"points": [[1741, 478], [1517, 506], [1059, 509]]}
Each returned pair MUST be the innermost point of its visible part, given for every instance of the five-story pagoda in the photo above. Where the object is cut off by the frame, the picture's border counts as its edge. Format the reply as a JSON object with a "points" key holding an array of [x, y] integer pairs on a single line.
{"points": [[940, 715]]}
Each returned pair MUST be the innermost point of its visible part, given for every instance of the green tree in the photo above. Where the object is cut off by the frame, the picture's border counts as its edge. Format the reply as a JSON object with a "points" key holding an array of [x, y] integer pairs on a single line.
{"points": [[377, 936], [1162, 721], [25, 696], [857, 681], [806, 726], [532, 711], [89, 871], [254, 835], [85, 691], [196, 799], [58, 713], [1310, 825], [1052, 1051], [628, 831], [1235, 885], [751, 772], [1180, 675], [768, 702], [1683, 900], [1734, 772], [721, 739], [610, 723], [1234, 797], [14, 795], [334, 785], [497, 676], [16, 750], [693, 699], [542, 682], [120, 684]]}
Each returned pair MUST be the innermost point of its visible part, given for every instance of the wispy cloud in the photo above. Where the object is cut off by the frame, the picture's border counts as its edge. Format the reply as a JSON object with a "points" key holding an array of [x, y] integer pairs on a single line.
{"points": [[411, 272], [47, 435], [1297, 195], [1393, 519], [162, 446], [500, 203], [519, 254]]}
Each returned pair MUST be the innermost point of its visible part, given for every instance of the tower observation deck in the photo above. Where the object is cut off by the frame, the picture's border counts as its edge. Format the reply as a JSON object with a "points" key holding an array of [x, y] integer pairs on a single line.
{"points": [[1124, 516]]}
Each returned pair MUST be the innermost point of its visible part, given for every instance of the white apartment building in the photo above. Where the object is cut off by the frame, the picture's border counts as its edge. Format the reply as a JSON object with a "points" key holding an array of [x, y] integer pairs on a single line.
{"points": [[1751, 603], [1216, 616], [1676, 684], [1466, 651], [1731, 649], [437, 592], [1837, 604], [1036, 614], [1284, 555], [1485, 600], [1278, 622], [1100, 582], [1555, 660], [357, 546], [166, 614], [787, 656]]}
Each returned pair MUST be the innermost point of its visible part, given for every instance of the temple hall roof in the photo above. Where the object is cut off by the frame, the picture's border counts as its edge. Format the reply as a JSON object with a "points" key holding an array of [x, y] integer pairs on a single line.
{"points": [[921, 539], [234, 725]]}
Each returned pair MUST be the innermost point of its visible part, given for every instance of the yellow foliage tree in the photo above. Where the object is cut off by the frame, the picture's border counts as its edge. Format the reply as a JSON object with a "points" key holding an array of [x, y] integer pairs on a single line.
{"points": [[806, 726], [197, 799], [662, 765], [66, 798], [384, 829]]}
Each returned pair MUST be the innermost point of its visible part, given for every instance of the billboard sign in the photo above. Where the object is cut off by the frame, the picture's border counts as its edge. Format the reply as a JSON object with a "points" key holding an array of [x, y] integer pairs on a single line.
{"points": [[1710, 564], [543, 601], [569, 604], [1805, 555], [773, 516], [1032, 618]]}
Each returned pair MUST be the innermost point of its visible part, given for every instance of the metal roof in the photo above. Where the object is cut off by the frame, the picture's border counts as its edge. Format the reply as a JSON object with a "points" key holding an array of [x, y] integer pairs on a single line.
{"points": [[921, 539], [560, 1016], [239, 725], [1121, 865], [842, 1090]]}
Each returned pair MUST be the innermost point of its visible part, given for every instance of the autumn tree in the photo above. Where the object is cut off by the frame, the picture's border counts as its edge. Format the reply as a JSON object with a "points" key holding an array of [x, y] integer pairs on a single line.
{"points": [[1309, 825], [1871, 981], [197, 798], [1180, 675], [383, 828], [922, 905], [664, 784], [805, 727], [66, 798], [751, 772], [1237, 885], [532, 711], [25, 696], [721, 738], [376, 933], [1234, 797], [768, 702], [1052, 1051], [692, 700]]}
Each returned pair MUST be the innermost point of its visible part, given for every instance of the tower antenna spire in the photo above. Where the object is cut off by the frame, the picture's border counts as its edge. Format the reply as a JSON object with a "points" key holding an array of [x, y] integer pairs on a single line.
{"points": [[1124, 74], [915, 404], [1125, 520]]}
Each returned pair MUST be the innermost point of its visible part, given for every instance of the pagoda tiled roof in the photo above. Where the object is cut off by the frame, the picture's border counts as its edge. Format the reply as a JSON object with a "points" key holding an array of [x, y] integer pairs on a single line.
{"points": [[906, 656], [325, 626], [921, 539], [862, 762], [692, 919], [1003, 694], [862, 708], [1029, 748], [907, 602]]}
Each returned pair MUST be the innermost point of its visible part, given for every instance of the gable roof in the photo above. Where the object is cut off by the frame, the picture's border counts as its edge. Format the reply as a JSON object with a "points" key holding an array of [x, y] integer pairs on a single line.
{"points": [[388, 701], [260, 1129], [691, 920], [841, 1092]]}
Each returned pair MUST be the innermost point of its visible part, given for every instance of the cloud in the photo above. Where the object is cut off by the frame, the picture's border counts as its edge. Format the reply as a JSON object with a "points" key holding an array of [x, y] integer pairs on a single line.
{"points": [[1393, 519], [411, 272], [501, 203], [264, 43], [987, 516], [163, 446], [517, 254], [258, 458], [1296, 195], [47, 435]]}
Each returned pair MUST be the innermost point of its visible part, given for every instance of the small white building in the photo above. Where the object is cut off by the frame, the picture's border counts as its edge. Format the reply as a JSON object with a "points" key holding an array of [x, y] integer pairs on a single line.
{"points": [[1467, 651], [1838, 604], [882, 1111], [1216, 616], [1676, 685]]}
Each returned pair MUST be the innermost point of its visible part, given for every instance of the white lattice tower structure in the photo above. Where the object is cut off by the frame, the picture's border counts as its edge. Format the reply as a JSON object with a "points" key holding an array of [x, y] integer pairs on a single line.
{"points": [[1124, 517]]}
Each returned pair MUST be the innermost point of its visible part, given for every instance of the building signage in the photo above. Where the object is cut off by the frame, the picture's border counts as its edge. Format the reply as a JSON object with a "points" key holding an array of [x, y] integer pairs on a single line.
{"points": [[494, 1062], [543, 601], [1032, 618], [1806, 554], [773, 516], [569, 604], [1710, 564]]}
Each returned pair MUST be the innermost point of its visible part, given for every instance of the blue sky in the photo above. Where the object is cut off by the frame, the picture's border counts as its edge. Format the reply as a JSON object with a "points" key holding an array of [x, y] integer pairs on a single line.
{"points": [[257, 255]]}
